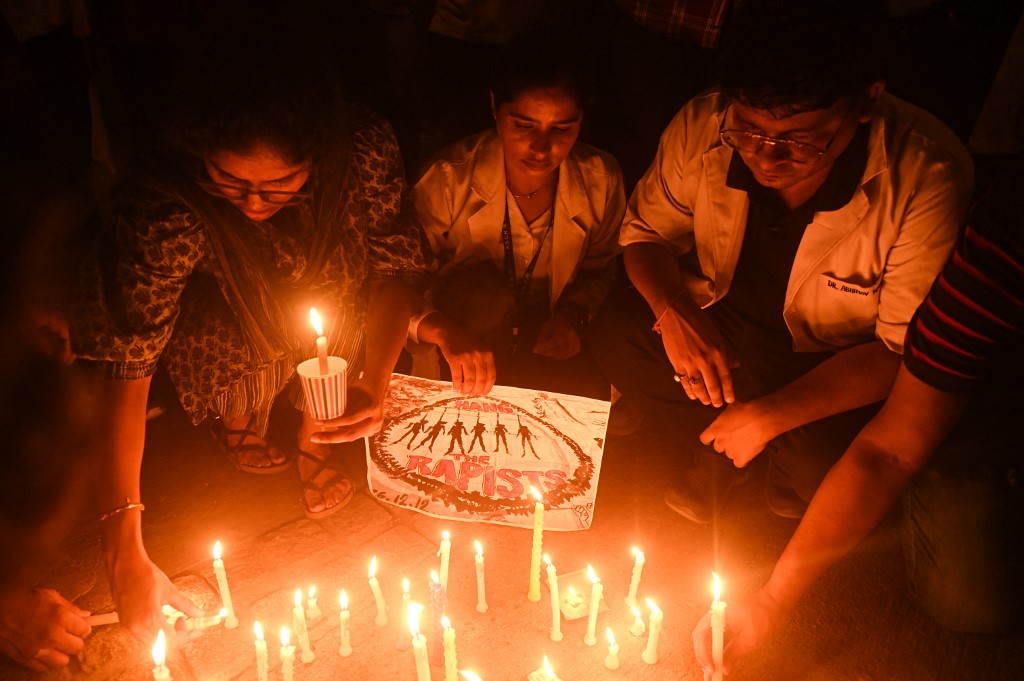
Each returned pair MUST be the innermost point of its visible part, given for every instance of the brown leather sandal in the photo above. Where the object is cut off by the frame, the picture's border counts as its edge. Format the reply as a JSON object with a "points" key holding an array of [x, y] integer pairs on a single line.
{"points": [[336, 477], [221, 434]]}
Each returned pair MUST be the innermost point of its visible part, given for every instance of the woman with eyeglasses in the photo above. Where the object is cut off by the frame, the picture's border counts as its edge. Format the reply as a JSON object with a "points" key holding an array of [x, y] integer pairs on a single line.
{"points": [[268, 196], [523, 220]]}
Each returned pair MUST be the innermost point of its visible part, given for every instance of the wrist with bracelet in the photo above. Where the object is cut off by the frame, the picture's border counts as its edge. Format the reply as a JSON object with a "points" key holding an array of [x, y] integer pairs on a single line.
{"points": [[657, 324], [128, 505]]}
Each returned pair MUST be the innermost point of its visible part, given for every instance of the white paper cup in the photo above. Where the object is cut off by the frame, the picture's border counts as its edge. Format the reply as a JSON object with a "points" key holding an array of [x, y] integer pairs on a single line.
{"points": [[325, 393]]}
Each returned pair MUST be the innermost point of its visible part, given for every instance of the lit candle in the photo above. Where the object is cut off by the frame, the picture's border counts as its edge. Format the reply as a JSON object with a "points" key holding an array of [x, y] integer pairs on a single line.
{"points": [[419, 643], [261, 653], [595, 600], [438, 604], [717, 629], [549, 671], [343, 619], [572, 604], [287, 656], [382, 610], [556, 615], [321, 341], [200, 623], [312, 611], [538, 538], [451, 667], [222, 583], [470, 676], [638, 629], [634, 582], [160, 670], [481, 590], [404, 638], [445, 553], [650, 654], [299, 624], [612, 661]]}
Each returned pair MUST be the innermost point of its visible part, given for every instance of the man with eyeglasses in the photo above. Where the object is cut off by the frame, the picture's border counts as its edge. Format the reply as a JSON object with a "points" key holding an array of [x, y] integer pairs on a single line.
{"points": [[789, 226]]}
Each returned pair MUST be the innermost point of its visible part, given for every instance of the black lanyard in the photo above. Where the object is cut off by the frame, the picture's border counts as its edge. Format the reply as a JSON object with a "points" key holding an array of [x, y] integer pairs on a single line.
{"points": [[521, 286]]}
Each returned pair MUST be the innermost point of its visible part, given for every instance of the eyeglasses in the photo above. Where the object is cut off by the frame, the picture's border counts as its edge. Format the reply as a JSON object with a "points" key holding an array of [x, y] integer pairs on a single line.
{"points": [[796, 152], [233, 192]]}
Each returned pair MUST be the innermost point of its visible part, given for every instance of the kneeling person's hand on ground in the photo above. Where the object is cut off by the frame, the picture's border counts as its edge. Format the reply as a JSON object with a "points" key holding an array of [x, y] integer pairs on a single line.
{"points": [[39, 628]]}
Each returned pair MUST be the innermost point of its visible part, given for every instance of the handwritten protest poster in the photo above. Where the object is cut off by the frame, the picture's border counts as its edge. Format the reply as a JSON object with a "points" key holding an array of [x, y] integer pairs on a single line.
{"points": [[476, 458]]}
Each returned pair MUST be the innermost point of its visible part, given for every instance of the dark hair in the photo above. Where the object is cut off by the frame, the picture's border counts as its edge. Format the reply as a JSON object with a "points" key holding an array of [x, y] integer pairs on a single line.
{"points": [[789, 56], [544, 58], [255, 85]]}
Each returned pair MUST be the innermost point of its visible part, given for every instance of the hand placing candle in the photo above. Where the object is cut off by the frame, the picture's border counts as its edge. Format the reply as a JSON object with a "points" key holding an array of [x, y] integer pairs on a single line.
{"points": [[445, 553], [419, 643], [299, 624], [590, 638], [612, 661], [345, 649], [634, 582], [556, 614], [404, 640], [382, 610], [481, 592], [538, 539], [321, 341], [451, 666], [717, 629], [650, 654], [287, 656], [222, 583], [261, 653], [160, 670]]}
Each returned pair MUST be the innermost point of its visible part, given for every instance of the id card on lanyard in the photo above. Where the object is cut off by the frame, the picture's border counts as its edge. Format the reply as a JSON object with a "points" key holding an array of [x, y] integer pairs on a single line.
{"points": [[521, 286]]}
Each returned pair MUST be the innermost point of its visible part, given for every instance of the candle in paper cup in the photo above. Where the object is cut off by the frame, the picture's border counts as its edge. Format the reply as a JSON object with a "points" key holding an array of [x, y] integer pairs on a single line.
{"points": [[717, 629], [419, 643], [634, 581], [650, 654], [538, 538], [612, 660], [230, 621], [345, 649], [299, 623], [404, 638], [556, 614], [590, 638], [382, 610], [287, 656], [321, 341], [638, 628], [445, 553], [160, 670], [451, 666], [261, 653], [481, 591]]}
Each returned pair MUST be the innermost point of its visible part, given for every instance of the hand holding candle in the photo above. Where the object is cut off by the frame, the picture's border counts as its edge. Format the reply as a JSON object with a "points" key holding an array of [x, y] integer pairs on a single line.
{"points": [[345, 649], [538, 539], [634, 582], [160, 670], [261, 653], [650, 654], [382, 610], [556, 615], [595, 601], [222, 583], [287, 656], [321, 341], [717, 629], [299, 623], [612, 661], [481, 593]]}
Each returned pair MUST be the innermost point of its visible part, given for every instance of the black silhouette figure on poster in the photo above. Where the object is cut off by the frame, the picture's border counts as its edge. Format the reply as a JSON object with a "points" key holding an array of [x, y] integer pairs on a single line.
{"points": [[526, 437], [456, 432], [413, 430], [478, 435], [499, 434], [434, 432]]}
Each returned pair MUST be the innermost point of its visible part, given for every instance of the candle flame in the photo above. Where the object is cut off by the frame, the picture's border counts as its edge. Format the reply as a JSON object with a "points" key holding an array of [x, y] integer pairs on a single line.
{"points": [[405, 586], [592, 575], [572, 591], [216, 551], [652, 606], [285, 637], [343, 600], [638, 553], [470, 676], [298, 598], [546, 559], [414, 619], [445, 622], [314, 319], [373, 567], [535, 493], [223, 613], [446, 536], [433, 577], [479, 548], [718, 585], [611, 636], [547, 668], [258, 630], [160, 650], [636, 611], [312, 592]]}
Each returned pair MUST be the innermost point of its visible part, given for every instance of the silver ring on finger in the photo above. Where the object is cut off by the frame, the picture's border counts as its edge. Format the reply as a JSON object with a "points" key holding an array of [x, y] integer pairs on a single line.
{"points": [[679, 378]]}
